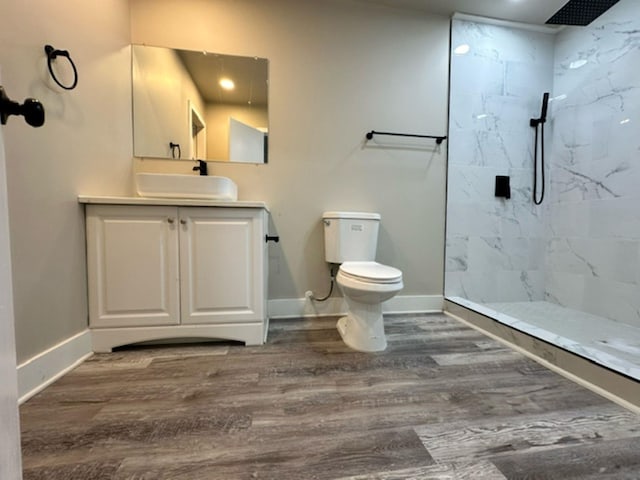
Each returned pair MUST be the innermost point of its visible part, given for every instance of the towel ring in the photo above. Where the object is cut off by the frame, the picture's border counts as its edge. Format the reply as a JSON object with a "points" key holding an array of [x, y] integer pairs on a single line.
{"points": [[52, 54], [174, 147]]}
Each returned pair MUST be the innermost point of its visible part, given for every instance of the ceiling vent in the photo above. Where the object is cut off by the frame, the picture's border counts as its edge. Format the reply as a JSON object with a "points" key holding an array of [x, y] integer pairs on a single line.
{"points": [[581, 12]]}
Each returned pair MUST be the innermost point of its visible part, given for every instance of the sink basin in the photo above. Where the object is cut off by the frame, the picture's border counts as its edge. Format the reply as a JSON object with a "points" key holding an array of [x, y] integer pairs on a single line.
{"points": [[173, 185]]}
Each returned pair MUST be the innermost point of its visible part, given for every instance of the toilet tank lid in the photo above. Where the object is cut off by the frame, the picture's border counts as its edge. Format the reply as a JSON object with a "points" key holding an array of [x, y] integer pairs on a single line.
{"points": [[352, 215]]}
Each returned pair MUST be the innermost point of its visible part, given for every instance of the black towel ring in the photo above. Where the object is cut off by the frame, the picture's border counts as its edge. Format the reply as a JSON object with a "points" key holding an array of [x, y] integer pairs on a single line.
{"points": [[174, 147], [52, 54]]}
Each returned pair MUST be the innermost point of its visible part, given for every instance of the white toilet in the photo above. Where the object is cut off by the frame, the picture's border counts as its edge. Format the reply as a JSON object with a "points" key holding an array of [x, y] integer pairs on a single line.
{"points": [[351, 239]]}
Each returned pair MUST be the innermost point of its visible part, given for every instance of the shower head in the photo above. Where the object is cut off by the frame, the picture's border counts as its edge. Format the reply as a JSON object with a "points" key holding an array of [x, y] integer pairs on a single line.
{"points": [[534, 122], [545, 104], [580, 12]]}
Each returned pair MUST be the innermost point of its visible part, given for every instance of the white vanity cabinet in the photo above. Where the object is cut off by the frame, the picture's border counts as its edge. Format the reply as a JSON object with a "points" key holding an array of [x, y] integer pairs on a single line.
{"points": [[164, 271]]}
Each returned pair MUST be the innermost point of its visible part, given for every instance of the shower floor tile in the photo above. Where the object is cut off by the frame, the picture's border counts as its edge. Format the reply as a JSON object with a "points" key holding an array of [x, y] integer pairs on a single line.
{"points": [[612, 344]]}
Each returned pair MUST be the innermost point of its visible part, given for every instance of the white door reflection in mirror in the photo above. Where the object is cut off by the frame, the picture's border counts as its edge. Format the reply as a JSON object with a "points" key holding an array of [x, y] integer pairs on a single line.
{"points": [[246, 143]]}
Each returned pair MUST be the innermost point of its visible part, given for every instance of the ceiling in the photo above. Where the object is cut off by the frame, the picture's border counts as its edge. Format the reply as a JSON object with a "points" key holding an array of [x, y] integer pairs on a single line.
{"points": [[535, 12], [250, 75]]}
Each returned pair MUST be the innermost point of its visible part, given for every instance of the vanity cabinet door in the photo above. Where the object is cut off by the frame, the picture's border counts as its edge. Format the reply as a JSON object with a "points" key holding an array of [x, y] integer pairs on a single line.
{"points": [[132, 256], [222, 265]]}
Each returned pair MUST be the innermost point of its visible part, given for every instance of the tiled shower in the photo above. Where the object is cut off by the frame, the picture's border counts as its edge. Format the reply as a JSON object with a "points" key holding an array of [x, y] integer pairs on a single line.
{"points": [[567, 271]]}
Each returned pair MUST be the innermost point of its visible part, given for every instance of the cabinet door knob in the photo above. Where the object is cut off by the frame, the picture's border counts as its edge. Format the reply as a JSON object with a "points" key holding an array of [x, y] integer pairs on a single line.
{"points": [[170, 220], [183, 222]]}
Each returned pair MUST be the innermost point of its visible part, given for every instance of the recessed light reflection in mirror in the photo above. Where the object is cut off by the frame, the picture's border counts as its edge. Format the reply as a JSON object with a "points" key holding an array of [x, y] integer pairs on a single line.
{"points": [[227, 83], [577, 64], [462, 49]]}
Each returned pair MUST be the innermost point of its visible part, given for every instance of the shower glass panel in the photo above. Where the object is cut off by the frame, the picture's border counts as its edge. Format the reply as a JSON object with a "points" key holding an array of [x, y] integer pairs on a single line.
{"points": [[568, 270]]}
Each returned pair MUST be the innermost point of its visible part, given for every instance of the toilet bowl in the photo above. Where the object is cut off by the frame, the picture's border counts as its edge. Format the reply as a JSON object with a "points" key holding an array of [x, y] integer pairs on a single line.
{"points": [[365, 285]]}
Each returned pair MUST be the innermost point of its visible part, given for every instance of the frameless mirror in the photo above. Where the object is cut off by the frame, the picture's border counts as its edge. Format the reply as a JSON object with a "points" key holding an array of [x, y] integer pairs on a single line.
{"points": [[199, 105]]}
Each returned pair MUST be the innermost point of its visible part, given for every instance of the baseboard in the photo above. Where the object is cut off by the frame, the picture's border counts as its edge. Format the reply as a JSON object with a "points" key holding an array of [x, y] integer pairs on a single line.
{"points": [[45, 368], [304, 307]]}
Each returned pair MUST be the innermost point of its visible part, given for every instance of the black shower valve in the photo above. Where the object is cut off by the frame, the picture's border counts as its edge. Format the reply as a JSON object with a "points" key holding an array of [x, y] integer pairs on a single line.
{"points": [[503, 187]]}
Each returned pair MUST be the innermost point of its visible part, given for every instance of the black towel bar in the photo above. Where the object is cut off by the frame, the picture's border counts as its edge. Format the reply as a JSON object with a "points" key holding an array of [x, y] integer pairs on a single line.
{"points": [[438, 138]]}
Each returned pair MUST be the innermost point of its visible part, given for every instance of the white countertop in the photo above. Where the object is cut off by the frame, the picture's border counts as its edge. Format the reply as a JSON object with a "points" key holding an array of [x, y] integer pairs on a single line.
{"points": [[179, 202]]}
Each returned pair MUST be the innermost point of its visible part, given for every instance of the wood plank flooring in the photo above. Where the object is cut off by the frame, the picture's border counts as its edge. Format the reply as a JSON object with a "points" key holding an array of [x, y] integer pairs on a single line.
{"points": [[443, 402]]}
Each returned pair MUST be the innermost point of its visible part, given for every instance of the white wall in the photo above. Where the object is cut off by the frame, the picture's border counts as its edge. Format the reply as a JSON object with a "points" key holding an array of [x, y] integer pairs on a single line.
{"points": [[84, 147], [337, 69]]}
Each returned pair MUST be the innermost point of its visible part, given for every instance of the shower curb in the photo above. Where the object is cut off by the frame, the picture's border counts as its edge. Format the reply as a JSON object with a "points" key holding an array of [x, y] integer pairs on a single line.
{"points": [[614, 386]]}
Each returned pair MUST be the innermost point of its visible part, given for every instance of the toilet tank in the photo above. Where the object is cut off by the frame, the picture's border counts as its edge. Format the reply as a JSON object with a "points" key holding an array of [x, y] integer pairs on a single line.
{"points": [[350, 236]]}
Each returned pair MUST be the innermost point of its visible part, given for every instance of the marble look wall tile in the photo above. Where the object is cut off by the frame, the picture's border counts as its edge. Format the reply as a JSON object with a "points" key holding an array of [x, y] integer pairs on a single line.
{"points": [[503, 43], [511, 114], [465, 219], [475, 286], [472, 183], [504, 253], [487, 286], [523, 80], [515, 286], [615, 300], [594, 218], [607, 259], [490, 135], [587, 233], [607, 44], [470, 111], [457, 254], [524, 220], [567, 220], [566, 289], [618, 174], [614, 218], [492, 148], [521, 185], [593, 180], [488, 74]]}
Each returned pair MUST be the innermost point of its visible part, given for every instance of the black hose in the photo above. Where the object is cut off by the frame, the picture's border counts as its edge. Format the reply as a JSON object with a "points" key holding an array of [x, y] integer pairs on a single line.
{"points": [[324, 298], [330, 290], [535, 165]]}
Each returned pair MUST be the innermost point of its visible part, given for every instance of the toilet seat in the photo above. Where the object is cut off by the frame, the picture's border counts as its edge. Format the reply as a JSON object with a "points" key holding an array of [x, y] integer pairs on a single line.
{"points": [[371, 272]]}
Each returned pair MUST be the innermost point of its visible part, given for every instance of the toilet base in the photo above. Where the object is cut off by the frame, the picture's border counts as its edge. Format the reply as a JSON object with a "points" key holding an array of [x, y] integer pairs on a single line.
{"points": [[363, 330]]}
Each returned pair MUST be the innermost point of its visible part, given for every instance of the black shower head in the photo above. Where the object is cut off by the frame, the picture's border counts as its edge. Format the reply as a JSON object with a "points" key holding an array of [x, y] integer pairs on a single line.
{"points": [[580, 12], [534, 122], [545, 104]]}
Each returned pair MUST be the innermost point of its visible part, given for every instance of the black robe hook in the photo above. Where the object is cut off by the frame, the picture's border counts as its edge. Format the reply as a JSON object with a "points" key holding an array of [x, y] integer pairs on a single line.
{"points": [[32, 110]]}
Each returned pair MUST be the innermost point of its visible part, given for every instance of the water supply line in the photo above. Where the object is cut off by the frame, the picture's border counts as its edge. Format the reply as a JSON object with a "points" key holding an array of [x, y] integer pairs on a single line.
{"points": [[535, 123], [309, 294]]}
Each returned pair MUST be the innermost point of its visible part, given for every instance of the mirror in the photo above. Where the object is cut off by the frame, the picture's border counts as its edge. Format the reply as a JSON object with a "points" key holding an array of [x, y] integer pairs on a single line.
{"points": [[199, 105]]}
